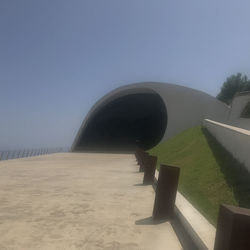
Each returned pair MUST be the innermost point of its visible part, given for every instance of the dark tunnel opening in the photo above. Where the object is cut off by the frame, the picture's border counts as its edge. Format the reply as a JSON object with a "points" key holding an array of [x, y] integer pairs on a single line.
{"points": [[124, 123]]}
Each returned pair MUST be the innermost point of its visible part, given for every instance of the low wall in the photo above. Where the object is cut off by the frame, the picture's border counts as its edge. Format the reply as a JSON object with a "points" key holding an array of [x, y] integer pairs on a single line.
{"points": [[241, 123], [233, 139]]}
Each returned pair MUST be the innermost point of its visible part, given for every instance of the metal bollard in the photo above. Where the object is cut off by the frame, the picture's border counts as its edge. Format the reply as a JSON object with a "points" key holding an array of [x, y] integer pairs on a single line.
{"points": [[233, 228], [144, 158], [166, 192], [149, 171], [139, 153]]}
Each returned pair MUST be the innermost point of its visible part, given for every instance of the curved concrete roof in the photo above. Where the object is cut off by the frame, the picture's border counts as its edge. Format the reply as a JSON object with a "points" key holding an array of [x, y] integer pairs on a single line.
{"points": [[186, 107]]}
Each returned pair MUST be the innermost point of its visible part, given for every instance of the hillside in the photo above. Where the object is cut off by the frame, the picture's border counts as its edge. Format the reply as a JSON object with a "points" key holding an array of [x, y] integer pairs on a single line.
{"points": [[209, 174]]}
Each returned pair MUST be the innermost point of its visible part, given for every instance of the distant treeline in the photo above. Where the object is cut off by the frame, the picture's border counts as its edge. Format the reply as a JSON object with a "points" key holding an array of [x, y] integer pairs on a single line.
{"points": [[233, 85]]}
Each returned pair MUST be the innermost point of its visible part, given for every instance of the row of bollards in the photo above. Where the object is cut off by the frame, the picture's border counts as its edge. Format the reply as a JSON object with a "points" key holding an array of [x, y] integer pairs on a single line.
{"points": [[166, 187], [233, 226]]}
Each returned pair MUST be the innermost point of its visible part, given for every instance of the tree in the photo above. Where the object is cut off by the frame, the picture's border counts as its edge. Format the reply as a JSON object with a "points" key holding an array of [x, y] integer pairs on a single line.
{"points": [[233, 84]]}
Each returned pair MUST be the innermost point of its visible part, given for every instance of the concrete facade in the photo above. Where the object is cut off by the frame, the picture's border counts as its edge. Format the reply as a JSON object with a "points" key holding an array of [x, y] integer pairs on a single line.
{"points": [[238, 104], [234, 133], [235, 140], [185, 107]]}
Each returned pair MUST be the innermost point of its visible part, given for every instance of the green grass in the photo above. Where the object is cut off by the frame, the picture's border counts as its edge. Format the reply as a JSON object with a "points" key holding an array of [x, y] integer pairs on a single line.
{"points": [[209, 175]]}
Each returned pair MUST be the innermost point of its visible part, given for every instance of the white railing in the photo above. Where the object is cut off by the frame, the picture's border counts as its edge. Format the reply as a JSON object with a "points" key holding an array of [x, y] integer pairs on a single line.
{"points": [[22, 153]]}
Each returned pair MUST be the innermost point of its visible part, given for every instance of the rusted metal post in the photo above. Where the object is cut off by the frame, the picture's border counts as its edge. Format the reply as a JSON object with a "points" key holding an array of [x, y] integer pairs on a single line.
{"points": [[166, 192], [144, 158], [233, 228], [149, 171], [139, 153]]}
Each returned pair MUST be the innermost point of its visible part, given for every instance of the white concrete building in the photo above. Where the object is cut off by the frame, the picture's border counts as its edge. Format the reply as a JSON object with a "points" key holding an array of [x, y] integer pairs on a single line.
{"points": [[145, 114]]}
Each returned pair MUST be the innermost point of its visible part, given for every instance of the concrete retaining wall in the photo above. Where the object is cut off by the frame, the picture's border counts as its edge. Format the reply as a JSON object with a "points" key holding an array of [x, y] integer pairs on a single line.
{"points": [[238, 104], [234, 139]]}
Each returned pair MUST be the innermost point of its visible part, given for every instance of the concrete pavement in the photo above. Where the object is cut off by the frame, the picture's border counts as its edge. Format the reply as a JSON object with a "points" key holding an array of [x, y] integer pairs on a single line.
{"points": [[78, 201]]}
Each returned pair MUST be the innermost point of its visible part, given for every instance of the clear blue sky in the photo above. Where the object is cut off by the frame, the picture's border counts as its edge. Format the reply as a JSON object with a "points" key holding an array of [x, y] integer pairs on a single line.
{"points": [[58, 57]]}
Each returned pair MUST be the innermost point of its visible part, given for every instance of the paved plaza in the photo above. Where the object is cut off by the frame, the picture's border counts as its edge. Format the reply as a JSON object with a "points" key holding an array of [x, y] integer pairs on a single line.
{"points": [[78, 201]]}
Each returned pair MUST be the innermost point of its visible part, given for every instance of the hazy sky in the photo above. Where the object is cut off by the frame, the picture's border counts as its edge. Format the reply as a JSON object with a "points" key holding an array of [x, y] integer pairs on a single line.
{"points": [[57, 58]]}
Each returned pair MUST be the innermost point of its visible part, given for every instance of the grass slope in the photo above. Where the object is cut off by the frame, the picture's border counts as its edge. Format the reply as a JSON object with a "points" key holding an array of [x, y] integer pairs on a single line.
{"points": [[209, 174]]}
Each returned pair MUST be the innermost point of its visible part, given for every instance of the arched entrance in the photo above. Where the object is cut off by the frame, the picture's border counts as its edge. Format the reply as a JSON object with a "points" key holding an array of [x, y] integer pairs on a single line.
{"points": [[131, 120]]}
